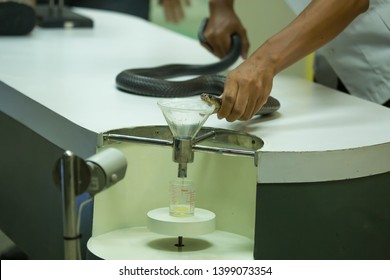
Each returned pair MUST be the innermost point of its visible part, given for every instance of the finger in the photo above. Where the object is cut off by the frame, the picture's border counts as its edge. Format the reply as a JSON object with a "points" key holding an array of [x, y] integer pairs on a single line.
{"points": [[228, 98], [240, 105], [252, 93], [219, 42], [168, 11], [259, 104], [265, 93], [222, 46], [207, 46], [249, 110], [237, 111], [172, 11], [179, 11]]}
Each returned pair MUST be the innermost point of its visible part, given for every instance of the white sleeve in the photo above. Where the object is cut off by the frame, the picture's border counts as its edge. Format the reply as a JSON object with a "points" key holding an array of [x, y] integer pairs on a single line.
{"points": [[297, 6], [378, 2]]}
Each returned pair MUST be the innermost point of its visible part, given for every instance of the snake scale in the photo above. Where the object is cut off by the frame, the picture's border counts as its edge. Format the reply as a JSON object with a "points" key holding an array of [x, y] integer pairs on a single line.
{"points": [[153, 81]]}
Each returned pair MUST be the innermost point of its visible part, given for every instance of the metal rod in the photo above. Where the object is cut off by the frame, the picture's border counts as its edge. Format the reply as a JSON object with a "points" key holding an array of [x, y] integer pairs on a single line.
{"points": [[138, 139], [179, 242], [204, 136], [161, 142], [219, 150], [182, 170], [68, 189]]}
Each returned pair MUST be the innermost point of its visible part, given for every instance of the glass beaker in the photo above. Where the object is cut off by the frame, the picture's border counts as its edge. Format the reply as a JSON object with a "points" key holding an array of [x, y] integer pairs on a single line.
{"points": [[182, 198]]}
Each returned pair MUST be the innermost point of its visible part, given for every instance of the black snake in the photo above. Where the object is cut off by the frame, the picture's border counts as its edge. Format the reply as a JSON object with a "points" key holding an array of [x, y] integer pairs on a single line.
{"points": [[152, 81]]}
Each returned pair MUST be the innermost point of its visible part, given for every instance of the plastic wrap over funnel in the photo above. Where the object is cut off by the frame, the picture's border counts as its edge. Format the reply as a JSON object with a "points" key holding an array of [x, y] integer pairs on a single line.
{"points": [[185, 117]]}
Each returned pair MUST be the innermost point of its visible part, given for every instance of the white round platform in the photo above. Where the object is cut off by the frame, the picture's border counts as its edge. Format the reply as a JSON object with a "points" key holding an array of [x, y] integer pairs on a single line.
{"points": [[139, 243], [159, 221]]}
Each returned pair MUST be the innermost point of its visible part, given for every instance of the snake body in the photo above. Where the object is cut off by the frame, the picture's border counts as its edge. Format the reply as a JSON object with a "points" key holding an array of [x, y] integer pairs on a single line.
{"points": [[152, 81]]}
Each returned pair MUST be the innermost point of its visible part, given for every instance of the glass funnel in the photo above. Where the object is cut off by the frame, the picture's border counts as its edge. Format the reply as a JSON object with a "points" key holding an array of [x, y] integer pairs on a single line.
{"points": [[185, 117]]}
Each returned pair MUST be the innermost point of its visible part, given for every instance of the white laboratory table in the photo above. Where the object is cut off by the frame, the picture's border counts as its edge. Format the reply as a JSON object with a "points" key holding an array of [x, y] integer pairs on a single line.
{"points": [[60, 84]]}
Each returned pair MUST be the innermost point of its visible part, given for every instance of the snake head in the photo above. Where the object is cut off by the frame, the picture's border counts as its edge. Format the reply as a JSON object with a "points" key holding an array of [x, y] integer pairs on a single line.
{"points": [[212, 100]]}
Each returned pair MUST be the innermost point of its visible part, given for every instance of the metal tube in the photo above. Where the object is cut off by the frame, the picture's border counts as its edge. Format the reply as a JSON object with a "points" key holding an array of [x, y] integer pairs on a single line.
{"points": [[162, 142], [204, 136], [69, 179], [182, 154], [138, 139], [219, 150], [182, 170]]}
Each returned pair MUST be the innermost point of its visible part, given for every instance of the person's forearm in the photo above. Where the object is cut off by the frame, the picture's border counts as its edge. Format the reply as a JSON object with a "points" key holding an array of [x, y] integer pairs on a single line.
{"points": [[320, 22], [215, 5], [221, 3]]}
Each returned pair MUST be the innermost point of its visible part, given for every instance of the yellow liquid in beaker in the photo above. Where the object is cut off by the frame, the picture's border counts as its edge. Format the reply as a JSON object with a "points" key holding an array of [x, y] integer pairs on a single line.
{"points": [[182, 198], [181, 211]]}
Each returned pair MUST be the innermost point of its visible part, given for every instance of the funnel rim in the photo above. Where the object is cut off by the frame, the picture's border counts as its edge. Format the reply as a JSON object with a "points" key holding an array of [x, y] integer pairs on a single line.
{"points": [[206, 109]]}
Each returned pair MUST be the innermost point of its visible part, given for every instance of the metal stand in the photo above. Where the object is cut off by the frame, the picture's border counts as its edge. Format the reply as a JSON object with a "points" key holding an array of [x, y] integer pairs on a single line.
{"points": [[211, 140], [71, 180], [183, 151], [75, 176]]}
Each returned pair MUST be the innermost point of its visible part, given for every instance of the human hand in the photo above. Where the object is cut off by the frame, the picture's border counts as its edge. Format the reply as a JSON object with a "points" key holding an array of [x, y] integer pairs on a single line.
{"points": [[247, 89], [173, 10], [222, 24]]}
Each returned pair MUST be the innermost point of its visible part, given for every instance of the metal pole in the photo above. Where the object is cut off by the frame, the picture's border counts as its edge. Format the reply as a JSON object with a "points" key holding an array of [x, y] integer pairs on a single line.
{"points": [[69, 181]]}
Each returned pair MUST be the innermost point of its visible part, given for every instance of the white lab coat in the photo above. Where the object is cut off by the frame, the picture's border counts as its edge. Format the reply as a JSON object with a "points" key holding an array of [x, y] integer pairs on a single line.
{"points": [[360, 55]]}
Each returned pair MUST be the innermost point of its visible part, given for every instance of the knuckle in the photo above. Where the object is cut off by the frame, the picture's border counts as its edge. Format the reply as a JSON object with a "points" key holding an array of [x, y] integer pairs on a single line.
{"points": [[236, 113], [230, 119], [245, 117], [229, 99]]}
